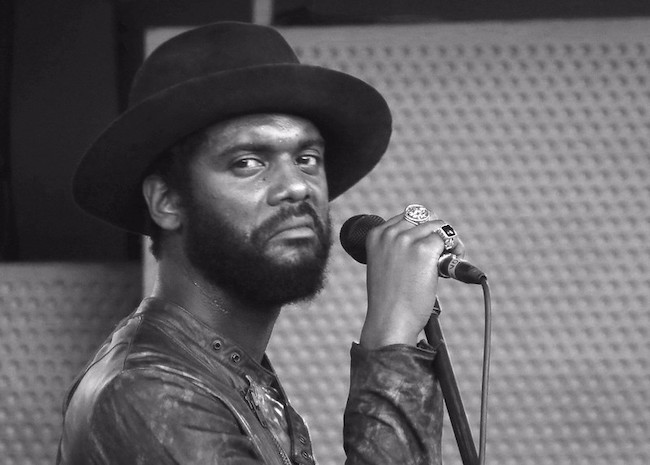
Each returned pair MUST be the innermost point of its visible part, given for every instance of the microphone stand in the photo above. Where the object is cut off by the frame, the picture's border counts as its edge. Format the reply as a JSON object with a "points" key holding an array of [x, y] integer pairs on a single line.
{"points": [[445, 373]]}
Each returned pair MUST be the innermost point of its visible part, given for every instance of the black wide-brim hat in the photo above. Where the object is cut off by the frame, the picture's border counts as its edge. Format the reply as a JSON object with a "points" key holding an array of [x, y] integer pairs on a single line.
{"points": [[214, 73]]}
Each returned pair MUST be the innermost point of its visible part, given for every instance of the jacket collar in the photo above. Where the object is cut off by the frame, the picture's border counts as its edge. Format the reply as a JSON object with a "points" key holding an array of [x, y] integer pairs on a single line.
{"points": [[205, 343]]}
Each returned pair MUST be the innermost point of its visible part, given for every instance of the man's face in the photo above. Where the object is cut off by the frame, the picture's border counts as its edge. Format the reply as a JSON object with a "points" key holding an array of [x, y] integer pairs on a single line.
{"points": [[256, 218]]}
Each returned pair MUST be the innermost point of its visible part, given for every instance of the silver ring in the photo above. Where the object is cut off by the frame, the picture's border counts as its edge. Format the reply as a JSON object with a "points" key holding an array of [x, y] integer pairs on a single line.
{"points": [[417, 214], [447, 234]]}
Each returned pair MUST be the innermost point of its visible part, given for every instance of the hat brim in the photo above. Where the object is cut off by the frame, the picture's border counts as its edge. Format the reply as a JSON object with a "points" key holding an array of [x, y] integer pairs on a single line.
{"points": [[352, 116]]}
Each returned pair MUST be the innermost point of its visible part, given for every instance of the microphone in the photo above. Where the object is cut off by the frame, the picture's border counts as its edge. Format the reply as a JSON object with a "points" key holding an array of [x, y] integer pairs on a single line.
{"points": [[353, 239]]}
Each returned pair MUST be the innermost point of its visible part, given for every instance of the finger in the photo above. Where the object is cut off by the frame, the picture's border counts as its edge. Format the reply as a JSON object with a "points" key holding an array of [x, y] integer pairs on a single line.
{"points": [[422, 238], [398, 219], [414, 215], [458, 249], [448, 235], [395, 225], [428, 231]]}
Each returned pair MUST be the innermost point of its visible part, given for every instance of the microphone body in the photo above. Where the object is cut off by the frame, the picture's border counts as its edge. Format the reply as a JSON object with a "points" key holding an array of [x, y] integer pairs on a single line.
{"points": [[353, 239]]}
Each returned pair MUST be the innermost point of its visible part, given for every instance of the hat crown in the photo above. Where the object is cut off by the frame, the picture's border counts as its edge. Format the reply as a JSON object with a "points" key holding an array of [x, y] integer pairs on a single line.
{"points": [[207, 50]]}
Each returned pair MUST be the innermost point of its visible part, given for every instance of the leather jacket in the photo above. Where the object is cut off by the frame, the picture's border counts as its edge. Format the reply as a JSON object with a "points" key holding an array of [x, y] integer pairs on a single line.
{"points": [[166, 389]]}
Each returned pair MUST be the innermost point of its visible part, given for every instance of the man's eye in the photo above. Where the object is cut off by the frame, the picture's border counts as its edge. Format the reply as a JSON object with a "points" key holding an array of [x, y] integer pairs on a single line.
{"points": [[308, 160], [246, 164]]}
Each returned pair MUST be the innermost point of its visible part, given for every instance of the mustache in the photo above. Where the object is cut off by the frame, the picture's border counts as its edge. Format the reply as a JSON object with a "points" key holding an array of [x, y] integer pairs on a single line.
{"points": [[269, 225]]}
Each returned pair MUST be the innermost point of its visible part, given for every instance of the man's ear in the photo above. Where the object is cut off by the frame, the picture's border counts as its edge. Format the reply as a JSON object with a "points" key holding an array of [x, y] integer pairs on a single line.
{"points": [[162, 202]]}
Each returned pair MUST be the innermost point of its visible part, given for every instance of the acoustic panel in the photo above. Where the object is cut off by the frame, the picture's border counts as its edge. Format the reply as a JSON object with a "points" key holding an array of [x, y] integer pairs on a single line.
{"points": [[52, 319]]}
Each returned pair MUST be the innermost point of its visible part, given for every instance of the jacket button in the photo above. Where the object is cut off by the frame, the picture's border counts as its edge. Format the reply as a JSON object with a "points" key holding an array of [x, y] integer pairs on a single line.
{"points": [[306, 455], [235, 357], [303, 440], [216, 345]]}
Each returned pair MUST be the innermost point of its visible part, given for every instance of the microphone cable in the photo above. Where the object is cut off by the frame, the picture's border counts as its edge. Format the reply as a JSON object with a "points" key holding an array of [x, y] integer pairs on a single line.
{"points": [[485, 378]]}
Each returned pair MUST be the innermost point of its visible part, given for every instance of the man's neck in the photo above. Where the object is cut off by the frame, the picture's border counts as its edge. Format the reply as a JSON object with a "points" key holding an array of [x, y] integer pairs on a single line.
{"points": [[247, 325]]}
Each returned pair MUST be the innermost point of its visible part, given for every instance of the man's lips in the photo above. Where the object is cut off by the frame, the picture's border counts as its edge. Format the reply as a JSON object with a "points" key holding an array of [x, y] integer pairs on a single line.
{"points": [[295, 228]]}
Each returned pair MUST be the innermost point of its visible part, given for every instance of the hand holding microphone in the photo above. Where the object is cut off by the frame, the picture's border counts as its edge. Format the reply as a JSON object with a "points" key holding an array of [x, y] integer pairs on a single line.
{"points": [[405, 255], [353, 239]]}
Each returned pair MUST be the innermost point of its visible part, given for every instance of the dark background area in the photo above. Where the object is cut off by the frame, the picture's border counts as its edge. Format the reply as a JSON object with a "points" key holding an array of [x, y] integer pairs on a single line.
{"points": [[65, 68]]}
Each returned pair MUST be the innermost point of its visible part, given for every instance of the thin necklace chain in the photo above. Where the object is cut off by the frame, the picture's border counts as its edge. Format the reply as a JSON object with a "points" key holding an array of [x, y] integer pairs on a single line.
{"points": [[214, 302]]}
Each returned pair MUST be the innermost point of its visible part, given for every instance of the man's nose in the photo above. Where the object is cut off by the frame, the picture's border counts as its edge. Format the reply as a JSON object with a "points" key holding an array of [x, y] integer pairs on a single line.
{"points": [[288, 183]]}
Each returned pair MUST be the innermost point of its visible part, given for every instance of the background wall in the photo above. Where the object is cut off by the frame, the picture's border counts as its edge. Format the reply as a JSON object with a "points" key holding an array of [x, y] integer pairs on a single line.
{"points": [[52, 318], [532, 139], [63, 92]]}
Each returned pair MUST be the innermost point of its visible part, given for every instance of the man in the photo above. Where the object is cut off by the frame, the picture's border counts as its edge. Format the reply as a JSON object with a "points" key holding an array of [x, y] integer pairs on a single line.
{"points": [[228, 157]]}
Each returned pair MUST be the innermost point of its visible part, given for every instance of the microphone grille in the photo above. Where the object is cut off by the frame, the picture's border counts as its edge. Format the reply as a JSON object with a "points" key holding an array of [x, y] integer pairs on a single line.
{"points": [[354, 232]]}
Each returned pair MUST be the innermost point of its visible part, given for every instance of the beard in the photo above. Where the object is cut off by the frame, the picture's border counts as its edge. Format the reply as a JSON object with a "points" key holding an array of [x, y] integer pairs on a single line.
{"points": [[238, 263]]}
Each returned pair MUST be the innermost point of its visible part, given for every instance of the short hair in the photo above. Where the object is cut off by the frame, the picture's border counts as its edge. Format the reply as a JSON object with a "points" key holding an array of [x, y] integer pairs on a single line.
{"points": [[173, 168]]}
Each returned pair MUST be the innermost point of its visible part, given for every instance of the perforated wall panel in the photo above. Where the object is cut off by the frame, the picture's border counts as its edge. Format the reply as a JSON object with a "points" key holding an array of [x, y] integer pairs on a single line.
{"points": [[533, 140], [52, 319]]}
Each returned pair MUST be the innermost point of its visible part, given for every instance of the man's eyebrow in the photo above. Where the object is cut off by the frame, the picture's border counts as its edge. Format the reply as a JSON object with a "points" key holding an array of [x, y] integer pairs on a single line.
{"points": [[246, 146], [264, 147], [318, 141]]}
